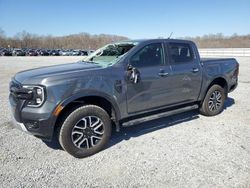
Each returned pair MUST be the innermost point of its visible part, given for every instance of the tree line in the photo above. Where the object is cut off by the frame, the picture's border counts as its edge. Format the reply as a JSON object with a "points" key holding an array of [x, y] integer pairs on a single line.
{"points": [[77, 41], [87, 41], [220, 41]]}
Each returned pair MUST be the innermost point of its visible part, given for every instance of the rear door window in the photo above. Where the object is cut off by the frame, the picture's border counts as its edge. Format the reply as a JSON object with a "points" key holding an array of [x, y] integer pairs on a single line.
{"points": [[180, 53]]}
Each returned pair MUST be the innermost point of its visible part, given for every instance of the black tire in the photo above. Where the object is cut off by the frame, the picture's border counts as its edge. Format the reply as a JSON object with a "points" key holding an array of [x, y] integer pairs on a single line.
{"points": [[79, 124], [209, 105]]}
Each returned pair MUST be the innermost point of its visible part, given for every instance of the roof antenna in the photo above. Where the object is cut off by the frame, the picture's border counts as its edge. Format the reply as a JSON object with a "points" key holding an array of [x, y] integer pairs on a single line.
{"points": [[170, 35]]}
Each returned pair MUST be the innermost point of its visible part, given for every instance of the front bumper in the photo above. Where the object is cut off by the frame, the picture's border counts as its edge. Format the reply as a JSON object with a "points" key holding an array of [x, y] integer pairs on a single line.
{"points": [[41, 128], [36, 121]]}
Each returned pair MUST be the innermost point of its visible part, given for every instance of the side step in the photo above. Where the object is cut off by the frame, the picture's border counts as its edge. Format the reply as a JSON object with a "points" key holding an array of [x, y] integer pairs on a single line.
{"points": [[160, 115]]}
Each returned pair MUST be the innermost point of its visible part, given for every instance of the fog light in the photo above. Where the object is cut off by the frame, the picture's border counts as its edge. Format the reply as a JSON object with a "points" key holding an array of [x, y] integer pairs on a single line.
{"points": [[32, 124], [38, 101]]}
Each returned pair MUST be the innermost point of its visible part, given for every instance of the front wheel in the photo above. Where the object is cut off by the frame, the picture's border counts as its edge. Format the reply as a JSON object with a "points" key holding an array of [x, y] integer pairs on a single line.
{"points": [[85, 131], [213, 103]]}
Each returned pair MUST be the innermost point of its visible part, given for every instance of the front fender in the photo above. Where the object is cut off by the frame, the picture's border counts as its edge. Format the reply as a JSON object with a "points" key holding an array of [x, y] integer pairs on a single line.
{"points": [[93, 93]]}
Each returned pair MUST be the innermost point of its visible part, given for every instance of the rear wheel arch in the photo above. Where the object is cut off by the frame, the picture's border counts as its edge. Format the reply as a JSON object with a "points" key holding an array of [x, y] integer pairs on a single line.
{"points": [[217, 81]]}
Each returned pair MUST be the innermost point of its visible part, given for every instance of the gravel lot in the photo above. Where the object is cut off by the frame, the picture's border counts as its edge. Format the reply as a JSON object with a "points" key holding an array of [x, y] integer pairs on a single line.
{"points": [[185, 150]]}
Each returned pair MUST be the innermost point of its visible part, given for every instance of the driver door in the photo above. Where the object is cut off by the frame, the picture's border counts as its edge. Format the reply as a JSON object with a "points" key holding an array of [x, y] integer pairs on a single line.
{"points": [[151, 91]]}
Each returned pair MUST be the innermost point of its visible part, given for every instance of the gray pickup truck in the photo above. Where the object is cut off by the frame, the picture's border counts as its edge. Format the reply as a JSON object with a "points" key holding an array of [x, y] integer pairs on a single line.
{"points": [[121, 84]]}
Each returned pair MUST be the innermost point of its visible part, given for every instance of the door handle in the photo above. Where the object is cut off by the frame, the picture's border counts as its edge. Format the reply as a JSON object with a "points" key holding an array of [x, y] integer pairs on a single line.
{"points": [[163, 74], [195, 70]]}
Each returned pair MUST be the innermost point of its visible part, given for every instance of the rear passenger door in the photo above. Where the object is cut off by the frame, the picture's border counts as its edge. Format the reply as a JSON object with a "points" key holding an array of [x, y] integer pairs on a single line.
{"points": [[186, 72]]}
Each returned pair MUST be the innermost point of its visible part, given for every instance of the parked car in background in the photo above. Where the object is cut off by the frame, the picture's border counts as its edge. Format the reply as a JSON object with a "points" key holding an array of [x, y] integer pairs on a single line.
{"points": [[65, 53], [43, 53], [5, 52], [18, 52], [84, 52], [31, 53], [76, 52], [54, 53]]}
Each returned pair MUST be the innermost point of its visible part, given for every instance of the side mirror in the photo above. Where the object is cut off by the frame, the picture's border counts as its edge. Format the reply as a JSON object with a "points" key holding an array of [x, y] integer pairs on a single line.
{"points": [[133, 74]]}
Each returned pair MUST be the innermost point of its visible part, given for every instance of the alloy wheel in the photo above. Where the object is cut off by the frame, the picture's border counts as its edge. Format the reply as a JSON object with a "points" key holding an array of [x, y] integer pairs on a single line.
{"points": [[87, 132], [215, 101]]}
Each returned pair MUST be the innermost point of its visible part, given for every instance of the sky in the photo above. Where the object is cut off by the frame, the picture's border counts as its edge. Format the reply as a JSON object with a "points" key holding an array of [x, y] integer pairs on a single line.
{"points": [[131, 18]]}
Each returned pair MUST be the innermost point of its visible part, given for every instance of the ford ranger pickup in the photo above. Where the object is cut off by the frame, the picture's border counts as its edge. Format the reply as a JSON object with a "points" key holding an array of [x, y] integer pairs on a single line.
{"points": [[119, 85]]}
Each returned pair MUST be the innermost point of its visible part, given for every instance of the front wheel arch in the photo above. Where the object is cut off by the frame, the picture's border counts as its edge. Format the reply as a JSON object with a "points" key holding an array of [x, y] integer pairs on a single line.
{"points": [[78, 100]]}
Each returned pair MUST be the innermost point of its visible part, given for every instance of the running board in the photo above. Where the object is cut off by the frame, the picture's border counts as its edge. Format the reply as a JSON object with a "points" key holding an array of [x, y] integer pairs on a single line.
{"points": [[160, 115]]}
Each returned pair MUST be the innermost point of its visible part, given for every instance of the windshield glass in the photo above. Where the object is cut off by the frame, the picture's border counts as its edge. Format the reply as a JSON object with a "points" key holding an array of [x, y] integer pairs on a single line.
{"points": [[110, 54]]}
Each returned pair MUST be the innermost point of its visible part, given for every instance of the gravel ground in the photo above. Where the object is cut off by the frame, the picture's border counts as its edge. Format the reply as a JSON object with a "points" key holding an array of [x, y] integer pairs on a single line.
{"points": [[185, 150]]}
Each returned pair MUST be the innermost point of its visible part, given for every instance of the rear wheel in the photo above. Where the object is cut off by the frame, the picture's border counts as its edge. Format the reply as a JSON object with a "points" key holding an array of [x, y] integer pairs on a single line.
{"points": [[213, 103], [85, 131]]}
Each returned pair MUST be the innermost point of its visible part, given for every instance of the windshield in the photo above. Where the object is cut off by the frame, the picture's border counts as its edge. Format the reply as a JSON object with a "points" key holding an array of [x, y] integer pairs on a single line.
{"points": [[110, 54]]}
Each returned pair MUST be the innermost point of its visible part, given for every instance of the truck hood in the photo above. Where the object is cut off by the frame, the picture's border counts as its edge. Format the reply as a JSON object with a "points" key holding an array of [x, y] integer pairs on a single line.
{"points": [[50, 71]]}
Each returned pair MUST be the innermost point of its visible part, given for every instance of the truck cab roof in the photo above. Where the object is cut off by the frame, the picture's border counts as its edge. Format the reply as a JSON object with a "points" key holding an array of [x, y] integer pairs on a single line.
{"points": [[160, 40]]}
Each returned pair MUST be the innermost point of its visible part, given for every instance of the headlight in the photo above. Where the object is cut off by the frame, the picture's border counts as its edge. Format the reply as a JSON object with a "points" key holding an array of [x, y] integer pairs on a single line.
{"points": [[38, 95]]}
